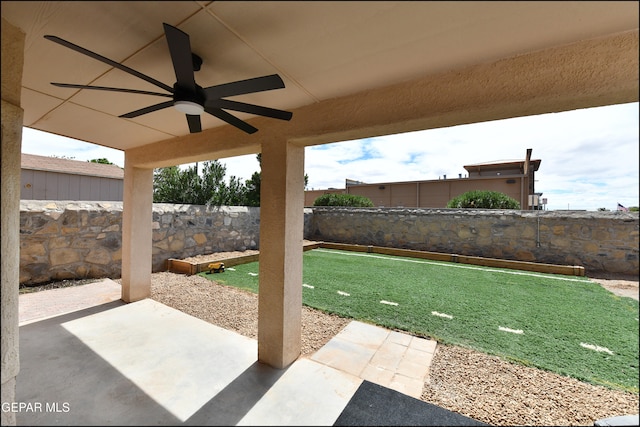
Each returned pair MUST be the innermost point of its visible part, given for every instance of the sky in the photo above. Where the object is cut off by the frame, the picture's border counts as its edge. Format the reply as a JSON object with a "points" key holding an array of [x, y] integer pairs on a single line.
{"points": [[589, 157]]}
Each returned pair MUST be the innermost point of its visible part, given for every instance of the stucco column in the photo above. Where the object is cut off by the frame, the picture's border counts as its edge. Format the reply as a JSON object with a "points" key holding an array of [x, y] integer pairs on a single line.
{"points": [[280, 273], [10, 148], [137, 211]]}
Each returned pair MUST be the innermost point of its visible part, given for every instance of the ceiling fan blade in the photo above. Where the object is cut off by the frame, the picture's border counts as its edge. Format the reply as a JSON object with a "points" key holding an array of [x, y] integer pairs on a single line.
{"points": [[149, 109], [180, 49], [112, 89], [194, 123], [232, 120], [249, 108], [109, 62], [256, 84]]}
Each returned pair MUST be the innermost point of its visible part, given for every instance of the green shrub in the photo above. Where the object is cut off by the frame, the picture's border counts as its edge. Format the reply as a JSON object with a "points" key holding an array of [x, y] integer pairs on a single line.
{"points": [[335, 199], [483, 200]]}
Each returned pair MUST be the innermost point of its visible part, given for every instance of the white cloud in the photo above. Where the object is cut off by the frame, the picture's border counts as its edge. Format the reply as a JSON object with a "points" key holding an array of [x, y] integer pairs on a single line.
{"points": [[241, 166], [47, 144], [589, 157]]}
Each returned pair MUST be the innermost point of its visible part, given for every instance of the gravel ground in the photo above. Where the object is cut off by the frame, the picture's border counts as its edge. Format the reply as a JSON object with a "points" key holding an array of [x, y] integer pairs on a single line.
{"points": [[477, 385]]}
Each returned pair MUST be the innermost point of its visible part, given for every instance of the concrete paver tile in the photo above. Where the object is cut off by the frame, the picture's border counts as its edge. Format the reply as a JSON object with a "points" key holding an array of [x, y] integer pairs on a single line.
{"points": [[385, 361], [361, 333], [418, 357], [378, 375], [407, 385], [344, 355], [423, 344], [399, 338], [412, 369]]}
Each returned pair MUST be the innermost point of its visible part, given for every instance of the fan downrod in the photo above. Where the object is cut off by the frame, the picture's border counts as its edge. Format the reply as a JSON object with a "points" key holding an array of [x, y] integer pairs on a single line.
{"points": [[197, 62]]}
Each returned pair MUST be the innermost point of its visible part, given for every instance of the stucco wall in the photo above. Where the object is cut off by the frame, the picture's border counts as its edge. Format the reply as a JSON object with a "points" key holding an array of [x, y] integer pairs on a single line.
{"points": [[71, 240], [10, 137]]}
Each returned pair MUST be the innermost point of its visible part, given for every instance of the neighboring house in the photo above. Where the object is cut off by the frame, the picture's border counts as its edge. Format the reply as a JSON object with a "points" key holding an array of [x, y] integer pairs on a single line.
{"points": [[515, 178], [52, 178]]}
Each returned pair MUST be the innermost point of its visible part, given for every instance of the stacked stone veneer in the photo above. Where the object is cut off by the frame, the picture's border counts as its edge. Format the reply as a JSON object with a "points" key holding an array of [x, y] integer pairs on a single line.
{"points": [[598, 241], [74, 240]]}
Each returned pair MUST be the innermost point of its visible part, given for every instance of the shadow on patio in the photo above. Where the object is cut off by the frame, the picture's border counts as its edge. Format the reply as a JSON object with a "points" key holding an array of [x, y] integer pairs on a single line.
{"points": [[144, 363]]}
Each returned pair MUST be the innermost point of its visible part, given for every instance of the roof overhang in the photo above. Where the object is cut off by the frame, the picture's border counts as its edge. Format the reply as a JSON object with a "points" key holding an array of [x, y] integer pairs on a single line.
{"points": [[498, 166], [351, 69]]}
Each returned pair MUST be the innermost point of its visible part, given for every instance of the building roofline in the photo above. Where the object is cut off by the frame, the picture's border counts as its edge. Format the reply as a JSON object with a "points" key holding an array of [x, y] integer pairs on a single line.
{"points": [[504, 163], [71, 167]]}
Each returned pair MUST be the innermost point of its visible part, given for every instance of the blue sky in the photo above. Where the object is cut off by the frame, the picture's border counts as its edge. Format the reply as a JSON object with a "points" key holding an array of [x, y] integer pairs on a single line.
{"points": [[589, 157]]}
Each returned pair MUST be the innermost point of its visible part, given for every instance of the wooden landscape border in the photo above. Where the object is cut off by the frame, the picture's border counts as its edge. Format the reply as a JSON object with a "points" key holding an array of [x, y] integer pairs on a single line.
{"points": [[189, 268], [569, 270]]}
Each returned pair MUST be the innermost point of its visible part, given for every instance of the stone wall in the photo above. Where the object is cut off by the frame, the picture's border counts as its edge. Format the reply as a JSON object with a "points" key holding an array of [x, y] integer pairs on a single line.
{"points": [[75, 240], [69, 240], [598, 241]]}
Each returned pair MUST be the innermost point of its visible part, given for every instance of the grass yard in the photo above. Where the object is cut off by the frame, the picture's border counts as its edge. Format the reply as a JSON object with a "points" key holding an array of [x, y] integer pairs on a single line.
{"points": [[564, 324]]}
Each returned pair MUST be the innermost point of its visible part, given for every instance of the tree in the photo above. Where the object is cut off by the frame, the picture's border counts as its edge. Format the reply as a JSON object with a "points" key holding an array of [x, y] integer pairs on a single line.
{"points": [[101, 160], [338, 199], [166, 185], [214, 190], [173, 185], [253, 185], [253, 189], [480, 199]]}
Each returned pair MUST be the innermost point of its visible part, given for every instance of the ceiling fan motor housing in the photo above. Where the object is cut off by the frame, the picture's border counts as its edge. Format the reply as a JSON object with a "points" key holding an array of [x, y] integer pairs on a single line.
{"points": [[181, 94]]}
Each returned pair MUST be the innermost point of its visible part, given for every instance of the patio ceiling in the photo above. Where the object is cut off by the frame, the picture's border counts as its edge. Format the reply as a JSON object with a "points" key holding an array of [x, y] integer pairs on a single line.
{"points": [[322, 50]]}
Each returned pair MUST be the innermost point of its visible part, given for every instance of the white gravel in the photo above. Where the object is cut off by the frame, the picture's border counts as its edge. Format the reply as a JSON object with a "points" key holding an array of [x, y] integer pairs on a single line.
{"points": [[477, 385]]}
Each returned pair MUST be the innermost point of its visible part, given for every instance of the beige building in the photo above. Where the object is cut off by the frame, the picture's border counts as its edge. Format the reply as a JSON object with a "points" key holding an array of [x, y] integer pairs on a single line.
{"points": [[51, 178], [514, 178]]}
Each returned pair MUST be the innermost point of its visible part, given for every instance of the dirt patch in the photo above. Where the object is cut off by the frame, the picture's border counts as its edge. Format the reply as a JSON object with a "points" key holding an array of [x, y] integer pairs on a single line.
{"points": [[619, 284], [216, 256]]}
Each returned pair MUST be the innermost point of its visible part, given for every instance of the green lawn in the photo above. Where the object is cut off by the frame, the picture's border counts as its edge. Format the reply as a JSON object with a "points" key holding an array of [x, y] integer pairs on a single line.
{"points": [[565, 324]]}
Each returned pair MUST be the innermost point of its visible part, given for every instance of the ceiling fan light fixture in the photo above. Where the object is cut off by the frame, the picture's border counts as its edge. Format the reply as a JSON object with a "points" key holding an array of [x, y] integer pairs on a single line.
{"points": [[189, 107]]}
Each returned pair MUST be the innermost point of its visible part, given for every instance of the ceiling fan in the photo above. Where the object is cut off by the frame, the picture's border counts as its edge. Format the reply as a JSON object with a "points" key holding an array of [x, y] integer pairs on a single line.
{"points": [[187, 96]]}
